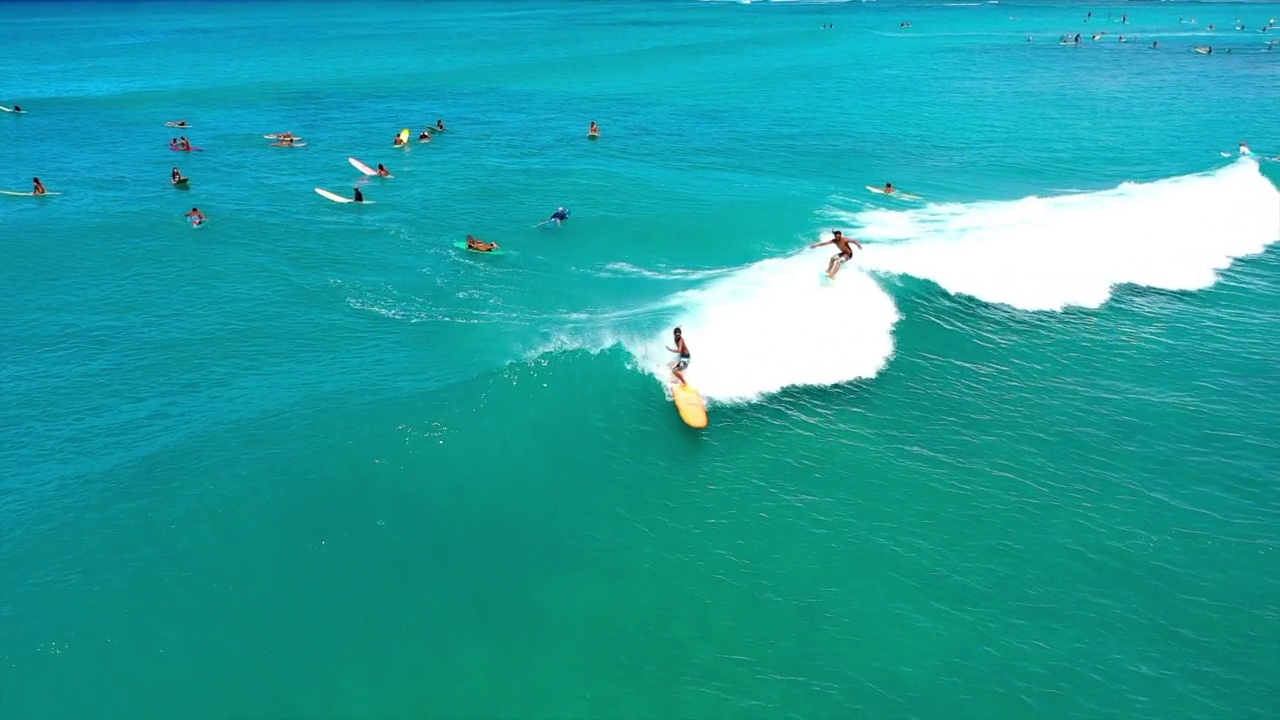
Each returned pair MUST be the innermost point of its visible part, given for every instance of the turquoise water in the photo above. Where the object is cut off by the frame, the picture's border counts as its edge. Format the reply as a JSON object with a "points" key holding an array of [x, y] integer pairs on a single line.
{"points": [[311, 460]]}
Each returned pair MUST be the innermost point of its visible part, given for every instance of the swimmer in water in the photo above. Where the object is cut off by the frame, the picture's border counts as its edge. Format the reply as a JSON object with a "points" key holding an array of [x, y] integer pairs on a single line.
{"points": [[195, 216]]}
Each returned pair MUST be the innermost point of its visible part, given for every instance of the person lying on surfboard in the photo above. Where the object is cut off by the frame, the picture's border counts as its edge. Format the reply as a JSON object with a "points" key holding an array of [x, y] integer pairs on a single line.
{"points": [[37, 187], [840, 258], [682, 360], [424, 136], [283, 142], [195, 216], [474, 243], [383, 171]]}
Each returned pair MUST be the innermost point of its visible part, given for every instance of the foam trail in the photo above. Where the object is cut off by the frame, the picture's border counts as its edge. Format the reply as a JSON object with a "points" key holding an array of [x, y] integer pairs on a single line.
{"points": [[773, 325], [1072, 250]]}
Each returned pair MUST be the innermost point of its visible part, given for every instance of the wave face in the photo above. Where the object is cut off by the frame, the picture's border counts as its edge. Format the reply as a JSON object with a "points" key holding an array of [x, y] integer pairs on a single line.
{"points": [[1073, 250]]}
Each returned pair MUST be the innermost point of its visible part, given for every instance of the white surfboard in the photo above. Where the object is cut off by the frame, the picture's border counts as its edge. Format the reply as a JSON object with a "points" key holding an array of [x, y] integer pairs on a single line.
{"points": [[895, 193], [338, 198], [9, 109], [362, 167], [19, 193]]}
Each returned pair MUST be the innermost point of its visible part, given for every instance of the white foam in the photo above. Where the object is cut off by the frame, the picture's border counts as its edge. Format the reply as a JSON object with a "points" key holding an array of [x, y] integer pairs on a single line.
{"points": [[773, 325], [1073, 250]]}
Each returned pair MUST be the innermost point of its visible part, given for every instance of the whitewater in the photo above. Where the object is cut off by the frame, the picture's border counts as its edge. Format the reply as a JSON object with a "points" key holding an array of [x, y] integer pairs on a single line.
{"points": [[775, 324]]}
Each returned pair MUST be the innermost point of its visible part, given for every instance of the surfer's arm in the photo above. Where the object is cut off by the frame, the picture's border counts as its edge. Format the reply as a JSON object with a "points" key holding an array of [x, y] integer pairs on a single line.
{"points": [[820, 244], [855, 242]]}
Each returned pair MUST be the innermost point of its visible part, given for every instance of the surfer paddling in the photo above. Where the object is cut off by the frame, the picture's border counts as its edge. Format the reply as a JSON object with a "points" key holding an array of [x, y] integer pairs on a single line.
{"points": [[424, 136], [844, 254], [195, 216], [475, 243], [681, 362]]}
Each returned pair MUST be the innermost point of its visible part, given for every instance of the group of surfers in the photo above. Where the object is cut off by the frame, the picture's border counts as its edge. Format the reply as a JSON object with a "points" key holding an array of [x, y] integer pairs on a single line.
{"points": [[424, 136]]}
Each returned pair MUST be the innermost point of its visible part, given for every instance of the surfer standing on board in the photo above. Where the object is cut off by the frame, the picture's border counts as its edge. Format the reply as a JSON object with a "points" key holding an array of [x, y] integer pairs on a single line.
{"points": [[840, 258], [682, 360]]}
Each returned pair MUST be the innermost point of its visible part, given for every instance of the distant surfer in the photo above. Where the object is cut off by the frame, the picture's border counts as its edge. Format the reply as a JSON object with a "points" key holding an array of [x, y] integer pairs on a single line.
{"points": [[383, 171], [844, 254], [184, 143], [888, 190], [37, 187], [594, 130], [439, 126], [357, 196], [195, 216], [682, 356], [398, 141], [424, 136], [1155, 45], [181, 123], [283, 141], [1244, 148], [474, 243], [18, 109], [175, 176], [559, 216]]}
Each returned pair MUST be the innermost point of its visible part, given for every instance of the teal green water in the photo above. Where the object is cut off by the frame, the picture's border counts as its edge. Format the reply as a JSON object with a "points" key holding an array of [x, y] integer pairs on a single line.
{"points": [[311, 460]]}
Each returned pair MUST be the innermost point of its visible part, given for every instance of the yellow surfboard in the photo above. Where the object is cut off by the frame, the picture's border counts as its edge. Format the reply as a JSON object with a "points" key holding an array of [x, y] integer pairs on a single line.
{"points": [[692, 408], [404, 136]]}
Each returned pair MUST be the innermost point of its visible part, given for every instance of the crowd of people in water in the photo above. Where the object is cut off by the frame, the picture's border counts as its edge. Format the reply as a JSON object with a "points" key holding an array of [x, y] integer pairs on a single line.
{"points": [[1070, 39]]}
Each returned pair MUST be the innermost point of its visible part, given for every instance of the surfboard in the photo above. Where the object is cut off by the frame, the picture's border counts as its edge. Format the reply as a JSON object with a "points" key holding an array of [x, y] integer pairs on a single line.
{"points": [[403, 137], [19, 193], [175, 148], [176, 125], [462, 245], [362, 167], [593, 136], [181, 182], [277, 136], [690, 405], [338, 198], [293, 144], [11, 110]]}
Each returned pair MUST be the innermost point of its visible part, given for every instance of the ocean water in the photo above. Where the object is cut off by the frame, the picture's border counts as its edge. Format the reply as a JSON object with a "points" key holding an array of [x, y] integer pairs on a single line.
{"points": [[312, 461]]}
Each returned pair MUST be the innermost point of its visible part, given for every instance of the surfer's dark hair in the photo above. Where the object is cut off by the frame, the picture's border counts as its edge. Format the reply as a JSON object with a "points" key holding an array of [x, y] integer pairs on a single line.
{"points": [[676, 331]]}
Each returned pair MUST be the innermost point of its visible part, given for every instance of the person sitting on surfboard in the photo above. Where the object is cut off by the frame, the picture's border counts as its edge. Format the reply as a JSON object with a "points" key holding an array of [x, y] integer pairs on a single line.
{"points": [[383, 171], [184, 143], [175, 176], [474, 243], [397, 142], [594, 129], [888, 189], [283, 142], [440, 125], [840, 258], [559, 216], [682, 360], [357, 196], [37, 187], [195, 216]]}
